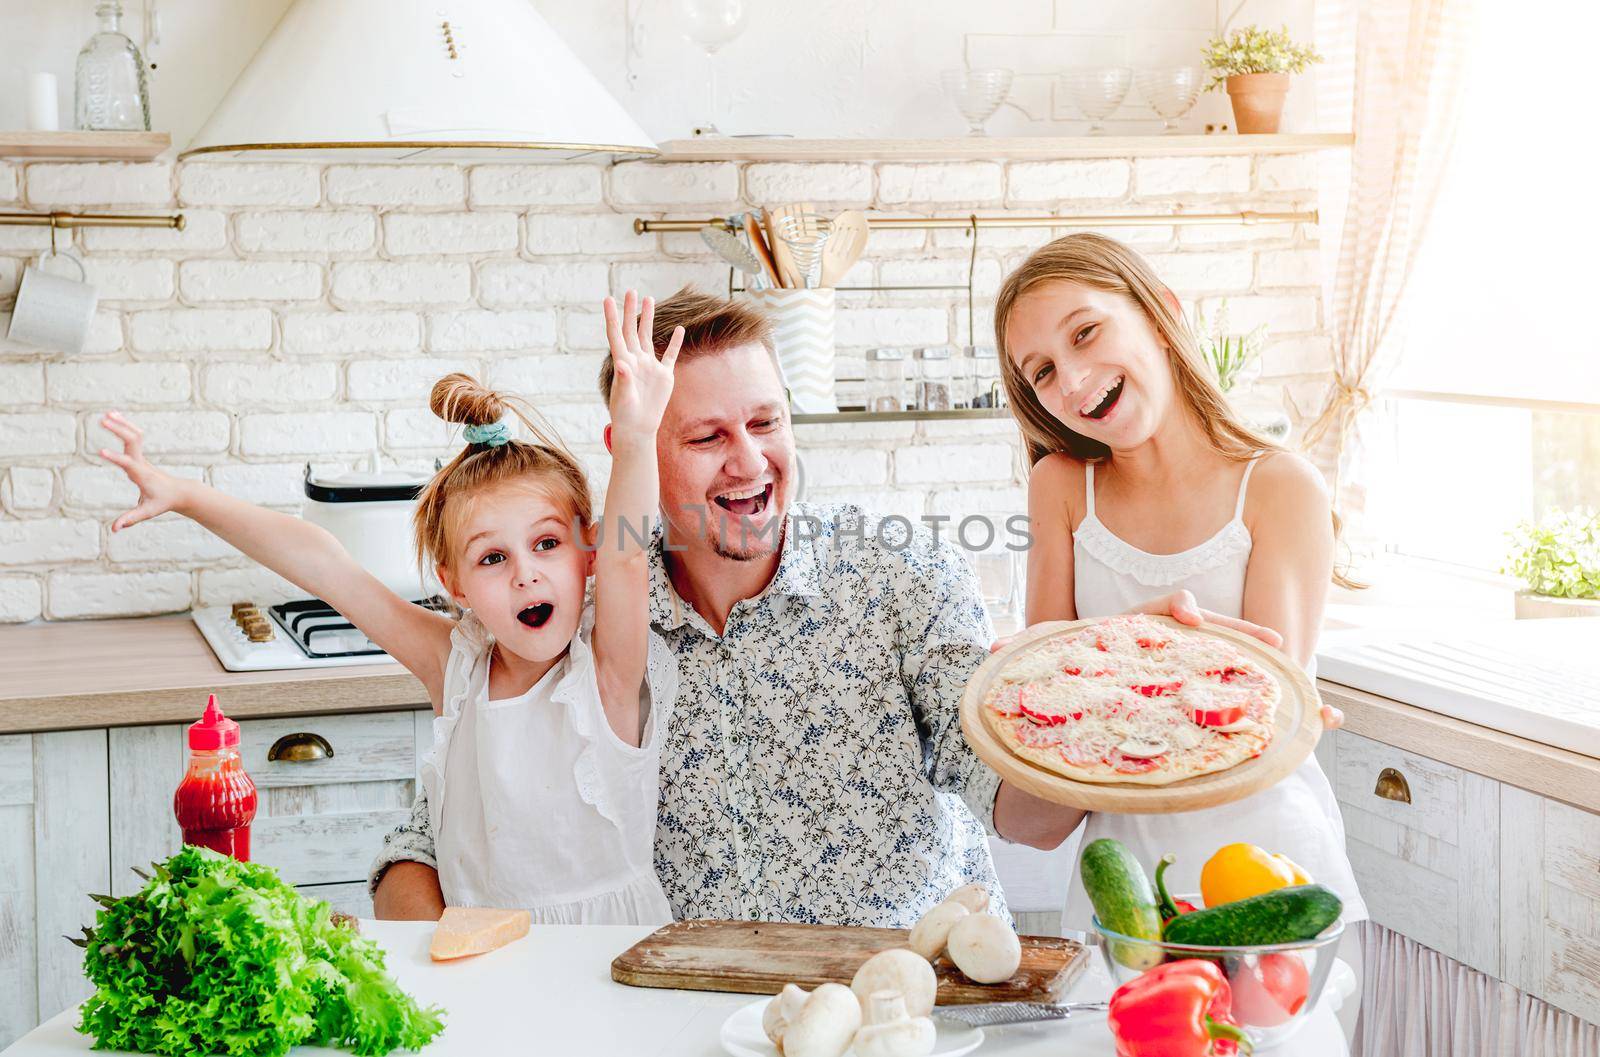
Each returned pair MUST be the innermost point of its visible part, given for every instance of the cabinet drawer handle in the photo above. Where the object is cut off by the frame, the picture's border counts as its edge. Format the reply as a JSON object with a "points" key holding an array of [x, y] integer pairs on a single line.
{"points": [[299, 748], [1392, 785]]}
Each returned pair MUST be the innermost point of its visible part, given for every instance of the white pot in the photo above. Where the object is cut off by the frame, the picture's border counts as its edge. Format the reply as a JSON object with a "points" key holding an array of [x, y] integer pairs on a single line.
{"points": [[802, 331], [1530, 606]]}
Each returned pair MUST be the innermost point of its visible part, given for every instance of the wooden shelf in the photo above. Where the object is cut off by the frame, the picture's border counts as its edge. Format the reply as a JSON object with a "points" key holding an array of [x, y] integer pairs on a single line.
{"points": [[85, 146], [985, 148], [821, 418]]}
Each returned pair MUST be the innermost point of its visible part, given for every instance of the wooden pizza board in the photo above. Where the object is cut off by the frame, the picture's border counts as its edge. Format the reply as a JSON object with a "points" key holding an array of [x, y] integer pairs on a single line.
{"points": [[760, 957], [1298, 725]]}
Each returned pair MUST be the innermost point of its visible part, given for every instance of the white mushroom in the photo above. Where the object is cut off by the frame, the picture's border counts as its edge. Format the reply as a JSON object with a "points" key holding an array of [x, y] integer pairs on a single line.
{"points": [[898, 969], [928, 938], [781, 1012], [890, 1031], [1140, 749], [975, 897], [826, 1024], [985, 949]]}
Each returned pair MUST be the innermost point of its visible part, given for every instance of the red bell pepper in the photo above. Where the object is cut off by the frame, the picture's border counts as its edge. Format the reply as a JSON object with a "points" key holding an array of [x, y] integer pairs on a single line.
{"points": [[1180, 1009]]}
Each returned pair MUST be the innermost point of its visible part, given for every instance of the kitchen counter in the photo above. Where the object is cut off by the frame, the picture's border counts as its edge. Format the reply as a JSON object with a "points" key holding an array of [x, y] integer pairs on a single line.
{"points": [[553, 994], [71, 675]]}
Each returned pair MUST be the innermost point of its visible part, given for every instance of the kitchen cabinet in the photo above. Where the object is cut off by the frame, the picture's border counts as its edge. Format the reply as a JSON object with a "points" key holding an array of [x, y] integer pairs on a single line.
{"points": [[1550, 865], [80, 810], [55, 848], [1501, 879]]}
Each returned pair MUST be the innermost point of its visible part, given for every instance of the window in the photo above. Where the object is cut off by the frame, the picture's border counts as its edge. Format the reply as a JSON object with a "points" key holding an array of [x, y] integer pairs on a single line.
{"points": [[1493, 414]]}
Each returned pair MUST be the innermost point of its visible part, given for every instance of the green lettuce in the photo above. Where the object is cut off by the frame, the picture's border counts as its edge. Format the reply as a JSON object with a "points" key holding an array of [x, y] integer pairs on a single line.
{"points": [[216, 956]]}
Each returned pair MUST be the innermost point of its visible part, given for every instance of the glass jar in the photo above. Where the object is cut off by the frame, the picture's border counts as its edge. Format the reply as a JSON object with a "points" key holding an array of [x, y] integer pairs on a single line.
{"points": [[111, 91], [933, 378], [888, 380]]}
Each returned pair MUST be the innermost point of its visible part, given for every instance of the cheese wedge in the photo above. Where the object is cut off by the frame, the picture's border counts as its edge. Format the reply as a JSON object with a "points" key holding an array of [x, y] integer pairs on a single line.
{"points": [[475, 930]]}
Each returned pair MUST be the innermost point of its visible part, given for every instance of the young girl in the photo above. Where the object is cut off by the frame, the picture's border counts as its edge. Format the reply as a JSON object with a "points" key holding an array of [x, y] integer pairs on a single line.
{"points": [[1148, 495], [542, 780]]}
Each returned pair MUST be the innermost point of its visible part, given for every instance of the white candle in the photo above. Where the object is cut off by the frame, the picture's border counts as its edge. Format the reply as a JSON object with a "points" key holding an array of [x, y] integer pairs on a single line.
{"points": [[43, 110]]}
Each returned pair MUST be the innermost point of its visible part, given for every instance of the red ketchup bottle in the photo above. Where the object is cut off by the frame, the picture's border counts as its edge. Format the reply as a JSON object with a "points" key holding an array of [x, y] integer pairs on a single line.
{"points": [[216, 801]]}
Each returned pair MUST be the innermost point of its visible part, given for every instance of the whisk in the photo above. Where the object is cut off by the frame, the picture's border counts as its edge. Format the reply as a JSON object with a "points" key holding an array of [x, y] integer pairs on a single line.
{"points": [[805, 234]]}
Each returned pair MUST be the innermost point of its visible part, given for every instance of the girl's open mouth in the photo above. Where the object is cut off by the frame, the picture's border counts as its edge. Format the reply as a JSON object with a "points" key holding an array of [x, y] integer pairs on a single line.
{"points": [[537, 616], [1107, 401], [748, 502]]}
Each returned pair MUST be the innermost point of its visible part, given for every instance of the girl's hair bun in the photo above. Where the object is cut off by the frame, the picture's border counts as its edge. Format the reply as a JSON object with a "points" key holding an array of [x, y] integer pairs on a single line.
{"points": [[461, 398]]}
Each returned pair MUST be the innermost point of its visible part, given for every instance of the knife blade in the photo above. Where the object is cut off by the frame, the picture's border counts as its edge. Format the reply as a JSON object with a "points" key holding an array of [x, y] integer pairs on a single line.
{"points": [[993, 1014]]}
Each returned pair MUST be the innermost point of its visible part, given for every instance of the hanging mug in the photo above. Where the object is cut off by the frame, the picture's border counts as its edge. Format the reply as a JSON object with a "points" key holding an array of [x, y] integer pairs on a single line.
{"points": [[53, 311]]}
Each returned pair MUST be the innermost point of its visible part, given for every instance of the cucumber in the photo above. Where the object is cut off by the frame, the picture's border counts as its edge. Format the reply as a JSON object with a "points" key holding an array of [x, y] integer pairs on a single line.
{"points": [[1286, 915], [1123, 900]]}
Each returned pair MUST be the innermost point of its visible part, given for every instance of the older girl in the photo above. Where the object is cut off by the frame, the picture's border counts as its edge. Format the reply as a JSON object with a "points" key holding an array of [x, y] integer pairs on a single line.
{"points": [[1148, 495], [541, 784]]}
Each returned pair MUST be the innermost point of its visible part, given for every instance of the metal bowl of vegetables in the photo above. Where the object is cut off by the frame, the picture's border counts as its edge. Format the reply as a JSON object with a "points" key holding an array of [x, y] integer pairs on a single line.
{"points": [[1274, 987]]}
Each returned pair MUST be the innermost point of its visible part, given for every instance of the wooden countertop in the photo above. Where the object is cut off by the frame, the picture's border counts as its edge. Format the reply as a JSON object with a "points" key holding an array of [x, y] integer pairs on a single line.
{"points": [[116, 673], [1544, 769]]}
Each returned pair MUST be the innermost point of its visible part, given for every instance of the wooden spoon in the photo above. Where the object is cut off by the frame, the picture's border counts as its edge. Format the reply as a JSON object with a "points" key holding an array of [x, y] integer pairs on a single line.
{"points": [[758, 242], [844, 246]]}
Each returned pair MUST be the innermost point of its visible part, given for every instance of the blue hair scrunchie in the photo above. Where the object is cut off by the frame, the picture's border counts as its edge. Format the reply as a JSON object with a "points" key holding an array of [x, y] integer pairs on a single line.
{"points": [[489, 435]]}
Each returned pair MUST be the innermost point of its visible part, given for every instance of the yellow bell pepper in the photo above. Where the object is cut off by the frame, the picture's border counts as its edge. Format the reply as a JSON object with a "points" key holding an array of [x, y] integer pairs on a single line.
{"points": [[1239, 871]]}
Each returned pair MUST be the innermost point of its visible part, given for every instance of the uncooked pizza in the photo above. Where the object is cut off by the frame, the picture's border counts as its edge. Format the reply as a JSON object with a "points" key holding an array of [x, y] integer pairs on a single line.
{"points": [[1130, 699]]}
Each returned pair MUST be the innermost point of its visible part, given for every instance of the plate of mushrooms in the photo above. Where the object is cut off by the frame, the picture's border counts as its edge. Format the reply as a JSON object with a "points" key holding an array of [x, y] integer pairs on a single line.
{"points": [[887, 1009]]}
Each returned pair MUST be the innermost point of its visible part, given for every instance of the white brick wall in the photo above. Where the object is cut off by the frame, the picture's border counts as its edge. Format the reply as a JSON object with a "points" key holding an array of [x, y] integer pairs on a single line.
{"points": [[305, 310]]}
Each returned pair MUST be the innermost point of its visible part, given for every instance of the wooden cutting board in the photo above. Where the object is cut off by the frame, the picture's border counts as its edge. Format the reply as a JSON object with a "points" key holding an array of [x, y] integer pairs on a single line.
{"points": [[759, 957]]}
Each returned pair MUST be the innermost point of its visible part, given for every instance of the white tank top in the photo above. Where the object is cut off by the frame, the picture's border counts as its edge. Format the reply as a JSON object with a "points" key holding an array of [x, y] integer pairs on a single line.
{"points": [[1298, 817]]}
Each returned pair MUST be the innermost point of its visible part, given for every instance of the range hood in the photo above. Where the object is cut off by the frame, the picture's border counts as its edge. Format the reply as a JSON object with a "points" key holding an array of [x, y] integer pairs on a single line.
{"points": [[397, 79]]}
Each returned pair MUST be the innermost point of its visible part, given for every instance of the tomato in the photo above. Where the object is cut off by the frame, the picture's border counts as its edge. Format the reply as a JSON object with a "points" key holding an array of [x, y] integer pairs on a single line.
{"points": [[1158, 689], [1152, 644], [1072, 671], [1132, 765], [1045, 719], [1271, 991], [1221, 716]]}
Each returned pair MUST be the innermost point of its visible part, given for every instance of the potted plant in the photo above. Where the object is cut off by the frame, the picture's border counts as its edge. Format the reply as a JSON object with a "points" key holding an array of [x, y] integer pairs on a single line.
{"points": [[1558, 558], [1231, 357], [1234, 360], [1254, 65]]}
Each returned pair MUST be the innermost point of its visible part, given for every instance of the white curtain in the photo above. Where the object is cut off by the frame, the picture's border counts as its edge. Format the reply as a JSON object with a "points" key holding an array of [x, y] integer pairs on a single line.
{"points": [[1408, 57], [1418, 1003]]}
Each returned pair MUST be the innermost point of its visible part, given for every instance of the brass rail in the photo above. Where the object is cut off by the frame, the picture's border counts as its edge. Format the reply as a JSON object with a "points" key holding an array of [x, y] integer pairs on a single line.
{"points": [[1247, 217], [86, 220]]}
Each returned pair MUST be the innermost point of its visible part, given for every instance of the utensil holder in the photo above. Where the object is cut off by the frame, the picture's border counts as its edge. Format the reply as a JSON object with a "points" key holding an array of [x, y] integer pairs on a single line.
{"points": [[802, 332]]}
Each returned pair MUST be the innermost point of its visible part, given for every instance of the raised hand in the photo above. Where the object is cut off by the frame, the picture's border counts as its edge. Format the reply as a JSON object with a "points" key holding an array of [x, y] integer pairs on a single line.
{"points": [[641, 384], [158, 492]]}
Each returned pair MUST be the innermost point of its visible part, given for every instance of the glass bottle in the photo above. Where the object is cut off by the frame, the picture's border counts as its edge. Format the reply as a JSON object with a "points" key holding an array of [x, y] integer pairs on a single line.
{"points": [[111, 94]]}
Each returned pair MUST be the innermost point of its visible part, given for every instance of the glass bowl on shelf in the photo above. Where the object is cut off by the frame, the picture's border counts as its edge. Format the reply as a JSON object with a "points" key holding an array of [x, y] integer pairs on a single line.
{"points": [[1274, 987], [1097, 91], [977, 94], [1171, 92]]}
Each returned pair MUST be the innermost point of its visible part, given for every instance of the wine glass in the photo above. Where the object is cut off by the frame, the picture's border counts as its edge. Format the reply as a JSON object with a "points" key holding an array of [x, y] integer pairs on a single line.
{"points": [[1097, 91], [1171, 92], [977, 94], [711, 24]]}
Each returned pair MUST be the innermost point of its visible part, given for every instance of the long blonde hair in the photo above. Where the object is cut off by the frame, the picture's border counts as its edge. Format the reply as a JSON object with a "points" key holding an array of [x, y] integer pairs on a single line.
{"points": [[1106, 264], [459, 398]]}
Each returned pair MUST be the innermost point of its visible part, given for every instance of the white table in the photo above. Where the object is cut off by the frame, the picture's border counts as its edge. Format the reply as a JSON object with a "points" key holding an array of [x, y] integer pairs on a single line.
{"points": [[552, 994]]}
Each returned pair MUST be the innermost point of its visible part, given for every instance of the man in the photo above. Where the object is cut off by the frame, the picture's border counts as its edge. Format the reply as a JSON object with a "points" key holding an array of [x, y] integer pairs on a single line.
{"points": [[814, 768]]}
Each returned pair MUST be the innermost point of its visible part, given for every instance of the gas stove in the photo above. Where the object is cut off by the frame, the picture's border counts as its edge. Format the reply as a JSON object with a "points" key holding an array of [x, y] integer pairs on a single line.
{"points": [[307, 633]]}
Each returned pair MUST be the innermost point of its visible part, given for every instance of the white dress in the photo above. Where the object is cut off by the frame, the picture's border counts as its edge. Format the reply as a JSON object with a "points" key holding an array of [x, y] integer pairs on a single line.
{"points": [[534, 801], [1298, 817]]}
